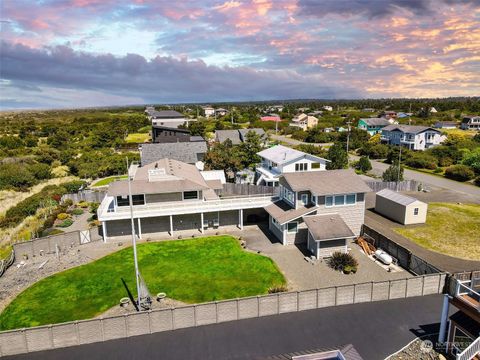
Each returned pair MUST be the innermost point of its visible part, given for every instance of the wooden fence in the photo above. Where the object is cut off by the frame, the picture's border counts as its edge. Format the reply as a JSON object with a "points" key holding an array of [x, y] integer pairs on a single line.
{"points": [[233, 190], [140, 323], [407, 185]]}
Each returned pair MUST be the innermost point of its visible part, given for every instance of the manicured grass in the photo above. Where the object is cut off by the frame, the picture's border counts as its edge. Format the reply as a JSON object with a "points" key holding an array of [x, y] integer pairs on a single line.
{"points": [[137, 138], [108, 180], [451, 229], [194, 270]]}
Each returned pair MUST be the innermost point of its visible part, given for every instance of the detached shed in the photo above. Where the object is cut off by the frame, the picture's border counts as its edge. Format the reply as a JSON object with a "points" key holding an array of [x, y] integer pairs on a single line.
{"points": [[401, 208]]}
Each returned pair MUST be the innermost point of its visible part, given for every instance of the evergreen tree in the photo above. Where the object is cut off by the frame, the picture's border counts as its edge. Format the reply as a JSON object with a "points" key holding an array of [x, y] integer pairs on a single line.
{"points": [[338, 157]]}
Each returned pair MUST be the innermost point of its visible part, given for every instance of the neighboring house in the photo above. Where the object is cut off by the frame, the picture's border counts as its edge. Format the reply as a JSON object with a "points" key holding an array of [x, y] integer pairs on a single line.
{"points": [[325, 209], [412, 136], [315, 113], [187, 152], [280, 159], [433, 110], [276, 108], [162, 134], [209, 111], [170, 196], [471, 123], [304, 121], [445, 125], [167, 118], [388, 114], [328, 108], [221, 112], [402, 115], [373, 125], [401, 208], [238, 136]]}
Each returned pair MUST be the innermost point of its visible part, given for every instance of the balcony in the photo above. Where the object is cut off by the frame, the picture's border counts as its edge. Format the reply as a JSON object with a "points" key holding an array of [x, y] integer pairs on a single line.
{"points": [[268, 173], [468, 291], [108, 211]]}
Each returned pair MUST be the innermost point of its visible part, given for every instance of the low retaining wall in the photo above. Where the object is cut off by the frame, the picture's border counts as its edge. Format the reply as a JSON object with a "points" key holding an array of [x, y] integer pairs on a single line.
{"points": [[98, 330], [49, 244]]}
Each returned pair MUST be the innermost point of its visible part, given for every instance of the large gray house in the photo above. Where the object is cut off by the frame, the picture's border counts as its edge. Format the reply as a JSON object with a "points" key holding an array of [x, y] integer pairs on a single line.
{"points": [[323, 208]]}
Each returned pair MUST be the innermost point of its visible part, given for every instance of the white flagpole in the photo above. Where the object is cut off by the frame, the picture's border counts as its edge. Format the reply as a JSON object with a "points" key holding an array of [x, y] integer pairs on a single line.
{"points": [[134, 238]]}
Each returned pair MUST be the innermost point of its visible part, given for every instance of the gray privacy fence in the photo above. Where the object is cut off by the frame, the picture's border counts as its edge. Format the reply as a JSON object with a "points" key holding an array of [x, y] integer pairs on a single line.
{"points": [[140, 323], [86, 195], [407, 185], [232, 190], [55, 243], [405, 257]]}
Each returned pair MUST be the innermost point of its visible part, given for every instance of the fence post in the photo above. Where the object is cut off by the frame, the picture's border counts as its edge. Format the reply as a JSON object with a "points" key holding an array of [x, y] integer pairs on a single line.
{"points": [[77, 331], [149, 321], [316, 296], [423, 284], [278, 303], [371, 293], [50, 333], [173, 318], [258, 306], [389, 288], [406, 288], [195, 314]]}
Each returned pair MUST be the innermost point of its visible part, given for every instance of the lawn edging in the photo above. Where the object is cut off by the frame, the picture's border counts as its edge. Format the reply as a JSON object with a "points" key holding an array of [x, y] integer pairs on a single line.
{"points": [[109, 328]]}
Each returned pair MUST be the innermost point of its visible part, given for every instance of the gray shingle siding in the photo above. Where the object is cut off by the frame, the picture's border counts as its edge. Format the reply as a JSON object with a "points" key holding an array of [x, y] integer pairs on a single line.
{"points": [[188, 152]]}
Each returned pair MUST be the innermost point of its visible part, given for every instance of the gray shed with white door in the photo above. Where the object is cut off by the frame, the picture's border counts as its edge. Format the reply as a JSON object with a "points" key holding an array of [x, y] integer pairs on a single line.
{"points": [[401, 208]]}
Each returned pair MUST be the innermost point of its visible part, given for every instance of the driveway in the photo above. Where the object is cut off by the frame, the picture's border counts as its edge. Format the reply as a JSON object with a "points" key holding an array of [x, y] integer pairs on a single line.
{"points": [[375, 329]]}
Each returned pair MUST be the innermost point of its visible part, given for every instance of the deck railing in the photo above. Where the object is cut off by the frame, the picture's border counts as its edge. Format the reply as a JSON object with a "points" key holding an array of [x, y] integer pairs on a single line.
{"points": [[464, 291], [472, 350]]}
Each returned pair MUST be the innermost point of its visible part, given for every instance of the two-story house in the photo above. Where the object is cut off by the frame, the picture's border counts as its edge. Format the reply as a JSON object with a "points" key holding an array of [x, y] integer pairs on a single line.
{"points": [[280, 159], [304, 121], [373, 125], [470, 123], [325, 209], [412, 136], [170, 196], [167, 118]]}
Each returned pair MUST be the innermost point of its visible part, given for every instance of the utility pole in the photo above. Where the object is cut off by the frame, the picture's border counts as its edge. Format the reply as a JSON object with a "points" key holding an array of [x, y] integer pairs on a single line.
{"points": [[348, 135], [399, 166], [134, 237]]}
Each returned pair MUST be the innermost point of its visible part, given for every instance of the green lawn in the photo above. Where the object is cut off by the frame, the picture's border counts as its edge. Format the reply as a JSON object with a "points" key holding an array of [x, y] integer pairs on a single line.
{"points": [[192, 271], [108, 180], [137, 138], [451, 229]]}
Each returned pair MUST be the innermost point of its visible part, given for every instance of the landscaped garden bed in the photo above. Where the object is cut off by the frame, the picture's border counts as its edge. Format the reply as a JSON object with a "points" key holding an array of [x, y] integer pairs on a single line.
{"points": [[191, 271]]}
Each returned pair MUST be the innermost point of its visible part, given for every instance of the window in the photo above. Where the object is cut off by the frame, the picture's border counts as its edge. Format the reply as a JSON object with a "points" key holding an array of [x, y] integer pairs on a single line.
{"points": [[276, 223], [315, 165], [301, 167], [351, 199], [292, 227], [329, 201], [136, 200], [305, 199], [339, 200], [190, 195], [415, 211], [288, 195]]}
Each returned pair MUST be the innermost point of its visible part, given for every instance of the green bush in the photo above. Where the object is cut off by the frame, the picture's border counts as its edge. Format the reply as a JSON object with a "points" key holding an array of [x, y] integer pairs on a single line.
{"points": [[83, 204], [66, 223], [77, 212], [392, 173], [420, 160], [459, 173], [63, 216], [40, 171], [16, 177], [363, 164], [342, 261], [74, 186], [94, 207]]}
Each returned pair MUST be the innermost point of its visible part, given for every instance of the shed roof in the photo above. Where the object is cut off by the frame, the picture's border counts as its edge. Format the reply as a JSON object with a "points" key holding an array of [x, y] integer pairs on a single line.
{"points": [[187, 152], [328, 227], [411, 129], [396, 197], [329, 182], [283, 212]]}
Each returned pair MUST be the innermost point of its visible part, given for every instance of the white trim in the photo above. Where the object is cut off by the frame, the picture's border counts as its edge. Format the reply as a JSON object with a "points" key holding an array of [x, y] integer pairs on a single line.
{"points": [[139, 221], [344, 200], [292, 232]]}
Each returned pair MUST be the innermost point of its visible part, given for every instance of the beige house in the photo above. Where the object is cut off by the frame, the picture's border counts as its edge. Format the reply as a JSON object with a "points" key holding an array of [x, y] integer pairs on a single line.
{"points": [[401, 208], [304, 121]]}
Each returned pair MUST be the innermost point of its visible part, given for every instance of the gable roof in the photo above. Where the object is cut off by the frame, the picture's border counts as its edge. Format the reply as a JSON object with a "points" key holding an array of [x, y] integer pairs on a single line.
{"points": [[328, 227], [397, 197], [166, 114], [375, 121], [187, 152], [411, 129], [330, 182], [283, 212], [236, 136], [281, 154]]}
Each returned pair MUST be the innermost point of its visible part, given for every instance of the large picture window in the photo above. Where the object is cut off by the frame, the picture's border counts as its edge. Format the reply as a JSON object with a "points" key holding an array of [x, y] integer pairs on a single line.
{"points": [[315, 165], [340, 200], [301, 167], [190, 195], [289, 195], [136, 200]]}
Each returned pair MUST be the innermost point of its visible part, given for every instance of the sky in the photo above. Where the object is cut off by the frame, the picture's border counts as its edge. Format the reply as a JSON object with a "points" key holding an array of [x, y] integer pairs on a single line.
{"points": [[81, 53]]}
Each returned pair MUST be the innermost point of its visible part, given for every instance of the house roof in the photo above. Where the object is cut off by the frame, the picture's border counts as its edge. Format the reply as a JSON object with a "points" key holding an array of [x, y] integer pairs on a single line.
{"points": [[214, 175], [281, 154], [283, 212], [187, 152], [330, 182], [445, 123], [236, 136], [375, 121], [397, 197], [328, 227], [270, 118], [166, 114], [411, 129], [162, 176], [244, 132]]}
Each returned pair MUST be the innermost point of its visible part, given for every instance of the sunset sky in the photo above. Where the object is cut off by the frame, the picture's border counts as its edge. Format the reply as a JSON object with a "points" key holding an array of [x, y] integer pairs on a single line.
{"points": [[76, 53]]}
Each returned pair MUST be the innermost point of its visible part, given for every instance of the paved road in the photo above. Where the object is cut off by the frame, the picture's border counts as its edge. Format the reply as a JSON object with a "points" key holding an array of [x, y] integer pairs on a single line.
{"points": [[433, 180], [375, 329], [294, 142]]}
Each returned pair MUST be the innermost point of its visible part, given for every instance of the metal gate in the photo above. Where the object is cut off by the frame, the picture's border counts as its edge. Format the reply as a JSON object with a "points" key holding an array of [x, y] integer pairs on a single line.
{"points": [[85, 236]]}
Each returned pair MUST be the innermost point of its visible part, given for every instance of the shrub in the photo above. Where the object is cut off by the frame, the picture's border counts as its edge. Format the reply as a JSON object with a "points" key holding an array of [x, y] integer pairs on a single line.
{"points": [[77, 212], [277, 289], [63, 216], [477, 181], [16, 177], [74, 186], [83, 204], [40, 171], [421, 160], [374, 151], [68, 202], [94, 207], [363, 164], [459, 173], [65, 223], [339, 261], [392, 173]]}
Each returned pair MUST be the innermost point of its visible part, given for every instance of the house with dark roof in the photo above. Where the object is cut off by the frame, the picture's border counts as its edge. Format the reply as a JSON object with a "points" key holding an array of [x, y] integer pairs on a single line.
{"points": [[187, 152], [445, 125], [166, 118], [413, 137], [324, 209], [470, 123], [373, 125], [238, 136]]}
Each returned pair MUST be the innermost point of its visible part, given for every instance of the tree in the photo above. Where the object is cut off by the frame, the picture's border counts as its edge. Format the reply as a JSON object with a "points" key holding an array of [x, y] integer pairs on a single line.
{"points": [[224, 156], [472, 159], [249, 148], [338, 157], [392, 173], [364, 164], [459, 172]]}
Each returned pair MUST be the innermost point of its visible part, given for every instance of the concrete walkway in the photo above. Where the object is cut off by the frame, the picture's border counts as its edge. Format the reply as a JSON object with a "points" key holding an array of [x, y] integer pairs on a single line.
{"points": [[376, 330]]}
